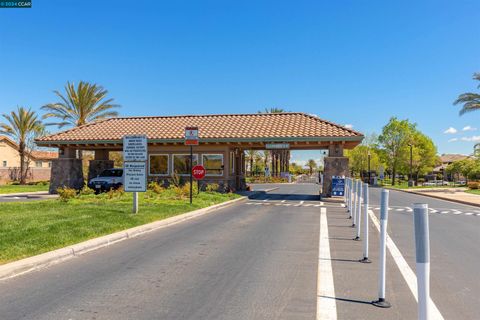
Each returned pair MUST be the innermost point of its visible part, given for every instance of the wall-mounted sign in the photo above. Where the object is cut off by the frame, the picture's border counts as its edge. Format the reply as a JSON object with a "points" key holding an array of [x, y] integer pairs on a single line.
{"points": [[338, 186], [191, 136], [277, 146], [135, 148], [135, 174]]}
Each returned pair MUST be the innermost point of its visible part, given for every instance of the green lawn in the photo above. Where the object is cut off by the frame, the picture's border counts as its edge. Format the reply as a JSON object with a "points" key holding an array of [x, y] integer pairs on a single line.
{"points": [[31, 228], [474, 191], [15, 188]]}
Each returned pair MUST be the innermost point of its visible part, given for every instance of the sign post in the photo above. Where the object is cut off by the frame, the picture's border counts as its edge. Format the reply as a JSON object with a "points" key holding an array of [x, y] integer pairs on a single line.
{"points": [[338, 186], [191, 139], [135, 166], [198, 173]]}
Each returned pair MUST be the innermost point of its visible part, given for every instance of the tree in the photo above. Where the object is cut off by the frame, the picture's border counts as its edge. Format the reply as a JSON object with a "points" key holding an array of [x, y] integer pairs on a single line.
{"points": [[252, 157], [470, 101], [20, 126], [395, 137], [80, 105], [454, 168], [311, 164], [358, 159], [424, 154]]}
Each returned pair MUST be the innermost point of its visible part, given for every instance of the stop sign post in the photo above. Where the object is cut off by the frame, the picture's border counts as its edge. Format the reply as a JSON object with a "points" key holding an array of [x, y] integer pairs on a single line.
{"points": [[198, 173]]}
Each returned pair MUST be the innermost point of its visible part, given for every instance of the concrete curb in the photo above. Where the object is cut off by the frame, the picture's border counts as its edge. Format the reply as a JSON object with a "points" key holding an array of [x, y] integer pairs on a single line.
{"points": [[468, 203], [24, 194], [43, 260]]}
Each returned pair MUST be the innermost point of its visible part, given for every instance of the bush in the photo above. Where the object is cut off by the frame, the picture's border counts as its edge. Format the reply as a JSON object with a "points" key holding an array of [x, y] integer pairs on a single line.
{"points": [[155, 187], [212, 187], [66, 194], [86, 190], [115, 193], [474, 185]]}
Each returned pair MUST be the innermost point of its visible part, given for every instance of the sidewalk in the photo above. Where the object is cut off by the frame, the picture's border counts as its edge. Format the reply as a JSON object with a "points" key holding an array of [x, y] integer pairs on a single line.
{"points": [[451, 194], [27, 196], [356, 283]]}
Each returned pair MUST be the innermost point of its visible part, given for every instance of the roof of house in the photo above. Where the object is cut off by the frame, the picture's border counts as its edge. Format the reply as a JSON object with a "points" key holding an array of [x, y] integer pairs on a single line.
{"points": [[447, 158], [215, 127], [36, 154]]}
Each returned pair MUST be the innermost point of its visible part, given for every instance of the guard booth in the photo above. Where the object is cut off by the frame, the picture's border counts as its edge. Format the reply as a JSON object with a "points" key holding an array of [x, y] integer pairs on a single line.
{"points": [[223, 139]]}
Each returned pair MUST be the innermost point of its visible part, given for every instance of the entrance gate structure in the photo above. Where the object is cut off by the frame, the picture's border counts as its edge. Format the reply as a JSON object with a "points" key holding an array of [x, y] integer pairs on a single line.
{"points": [[223, 138]]}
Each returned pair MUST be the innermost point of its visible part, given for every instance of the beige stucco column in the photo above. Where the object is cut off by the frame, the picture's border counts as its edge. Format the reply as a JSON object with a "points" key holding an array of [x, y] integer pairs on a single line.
{"points": [[99, 163], [66, 171], [334, 165]]}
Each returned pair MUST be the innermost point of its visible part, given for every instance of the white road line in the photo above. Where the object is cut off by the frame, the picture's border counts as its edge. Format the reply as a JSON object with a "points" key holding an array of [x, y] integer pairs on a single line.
{"points": [[265, 200], [400, 209], [326, 305], [405, 270], [308, 205], [445, 211], [283, 201], [301, 202], [469, 213]]}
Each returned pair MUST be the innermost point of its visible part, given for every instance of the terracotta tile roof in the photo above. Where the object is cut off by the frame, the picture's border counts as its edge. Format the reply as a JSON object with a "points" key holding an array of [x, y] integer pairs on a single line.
{"points": [[222, 127], [447, 158], [37, 154]]}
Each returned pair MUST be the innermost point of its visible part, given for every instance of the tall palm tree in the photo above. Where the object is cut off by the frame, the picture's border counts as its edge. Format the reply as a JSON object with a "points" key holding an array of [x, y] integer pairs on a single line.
{"points": [[80, 105], [252, 156], [470, 101], [20, 125], [311, 165], [283, 156]]}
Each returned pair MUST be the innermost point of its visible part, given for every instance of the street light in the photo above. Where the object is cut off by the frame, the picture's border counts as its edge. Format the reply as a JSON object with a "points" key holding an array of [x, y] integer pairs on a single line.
{"points": [[410, 180], [369, 171]]}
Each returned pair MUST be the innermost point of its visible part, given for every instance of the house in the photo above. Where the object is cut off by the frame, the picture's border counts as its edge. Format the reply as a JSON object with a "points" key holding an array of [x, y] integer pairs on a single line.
{"points": [[39, 164], [447, 159]]}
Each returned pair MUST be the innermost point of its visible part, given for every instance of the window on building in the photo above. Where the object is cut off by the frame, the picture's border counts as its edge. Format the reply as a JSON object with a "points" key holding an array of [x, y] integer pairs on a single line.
{"points": [[159, 165], [38, 164], [49, 164], [213, 164], [4, 163], [232, 162], [181, 163]]}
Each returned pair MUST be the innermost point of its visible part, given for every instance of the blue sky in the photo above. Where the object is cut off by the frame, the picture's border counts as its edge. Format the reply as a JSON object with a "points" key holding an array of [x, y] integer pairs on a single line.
{"points": [[351, 62]]}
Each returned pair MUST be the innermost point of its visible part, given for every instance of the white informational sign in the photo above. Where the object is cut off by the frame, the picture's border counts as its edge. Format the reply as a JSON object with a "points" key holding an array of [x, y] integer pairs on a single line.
{"points": [[191, 136], [277, 146], [135, 148], [135, 176]]}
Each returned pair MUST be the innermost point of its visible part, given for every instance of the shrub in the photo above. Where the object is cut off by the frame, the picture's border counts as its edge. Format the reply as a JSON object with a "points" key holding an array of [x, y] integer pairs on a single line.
{"points": [[176, 181], [115, 193], [474, 185], [212, 187], [66, 194], [155, 187], [86, 190]]}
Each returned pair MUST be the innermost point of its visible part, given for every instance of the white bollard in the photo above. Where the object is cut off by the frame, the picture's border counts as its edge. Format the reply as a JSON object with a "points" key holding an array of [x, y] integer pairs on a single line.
{"points": [[358, 205], [135, 202], [381, 302], [347, 181], [354, 200], [351, 198], [365, 223], [422, 252], [359, 211]]}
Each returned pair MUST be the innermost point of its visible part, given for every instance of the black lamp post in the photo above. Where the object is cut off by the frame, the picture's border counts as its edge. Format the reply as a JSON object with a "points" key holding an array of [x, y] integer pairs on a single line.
{"points": [[369, 171], [410, 180]]}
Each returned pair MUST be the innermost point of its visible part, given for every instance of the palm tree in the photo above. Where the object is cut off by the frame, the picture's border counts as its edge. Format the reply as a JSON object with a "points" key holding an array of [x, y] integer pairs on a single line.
{"points": [[81, 105], [20, 125], [252, 156], [311, 165], [470, 101]]}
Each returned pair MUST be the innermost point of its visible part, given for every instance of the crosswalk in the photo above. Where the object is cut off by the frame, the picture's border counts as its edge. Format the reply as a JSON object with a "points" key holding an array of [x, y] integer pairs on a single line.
{"points": [[285, 203], [432, 210], [392, 209]]}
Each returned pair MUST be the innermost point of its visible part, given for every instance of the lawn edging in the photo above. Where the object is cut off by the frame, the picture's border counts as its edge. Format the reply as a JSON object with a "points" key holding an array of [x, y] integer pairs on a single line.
{"points": [[43, 260], [438, 197]]}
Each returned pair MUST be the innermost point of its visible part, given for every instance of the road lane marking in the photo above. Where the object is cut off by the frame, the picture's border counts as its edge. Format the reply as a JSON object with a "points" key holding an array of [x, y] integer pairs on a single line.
{"points": [[405, 270], [326, 305]]}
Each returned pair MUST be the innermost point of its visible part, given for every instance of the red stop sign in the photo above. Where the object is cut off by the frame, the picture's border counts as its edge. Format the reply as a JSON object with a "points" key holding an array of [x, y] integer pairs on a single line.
{"points": [[198, 172]]}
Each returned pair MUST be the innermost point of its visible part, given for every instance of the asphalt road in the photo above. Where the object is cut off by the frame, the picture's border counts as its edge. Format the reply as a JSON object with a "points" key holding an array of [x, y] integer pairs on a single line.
{"points": [[246, 261], [455, 249]]}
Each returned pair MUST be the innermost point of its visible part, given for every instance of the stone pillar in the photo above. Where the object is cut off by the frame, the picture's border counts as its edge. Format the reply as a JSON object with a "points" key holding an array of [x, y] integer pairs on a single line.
{"points": [[334, 165], [100, 163], [240, 183], [66, 171]]}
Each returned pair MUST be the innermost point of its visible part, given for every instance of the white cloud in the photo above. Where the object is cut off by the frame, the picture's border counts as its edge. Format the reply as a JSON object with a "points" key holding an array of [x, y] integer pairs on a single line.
{"points": [[472, 138], [469, 128], [450, 130], [349, 126], [453, 140]]}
